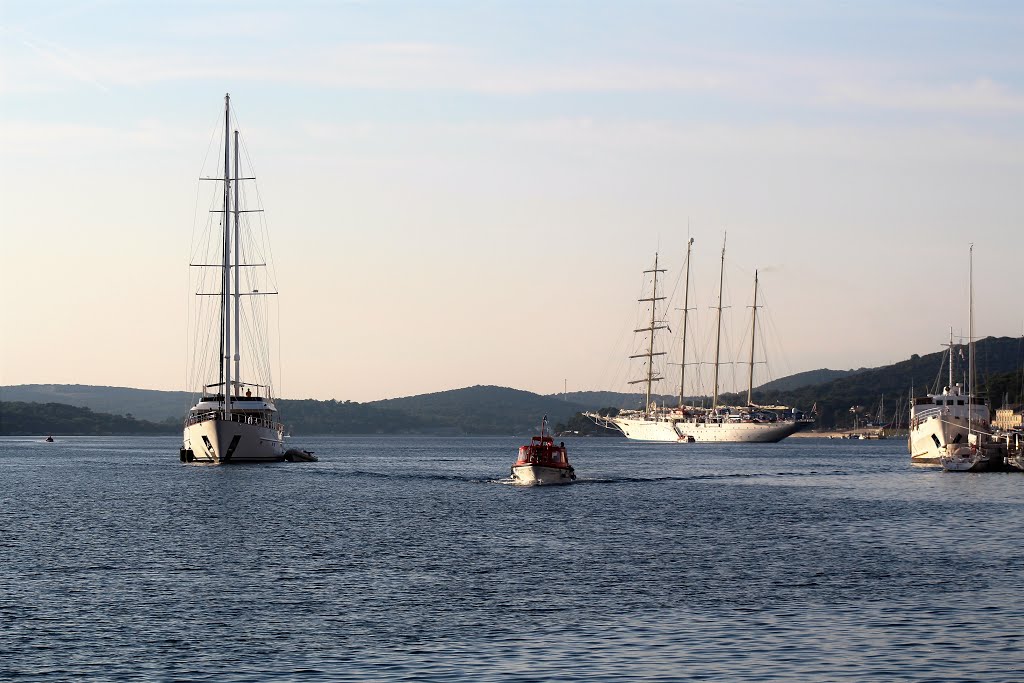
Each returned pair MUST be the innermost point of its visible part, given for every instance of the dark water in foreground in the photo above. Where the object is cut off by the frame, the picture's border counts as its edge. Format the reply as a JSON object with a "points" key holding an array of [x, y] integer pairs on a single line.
{"points": [[406, 558]]}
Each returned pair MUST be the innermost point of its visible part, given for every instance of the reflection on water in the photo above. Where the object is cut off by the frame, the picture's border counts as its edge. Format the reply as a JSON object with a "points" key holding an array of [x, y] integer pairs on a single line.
{"points": [[406, 558]]}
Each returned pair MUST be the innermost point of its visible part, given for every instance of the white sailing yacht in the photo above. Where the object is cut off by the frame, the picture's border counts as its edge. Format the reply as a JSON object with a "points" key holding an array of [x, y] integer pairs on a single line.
{"points": [[687, 424], [234, 420]]}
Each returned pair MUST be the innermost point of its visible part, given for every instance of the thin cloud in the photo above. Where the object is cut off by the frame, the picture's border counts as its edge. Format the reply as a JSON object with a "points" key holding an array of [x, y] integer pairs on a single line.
{"points": [[980, 96], [63, 60]]}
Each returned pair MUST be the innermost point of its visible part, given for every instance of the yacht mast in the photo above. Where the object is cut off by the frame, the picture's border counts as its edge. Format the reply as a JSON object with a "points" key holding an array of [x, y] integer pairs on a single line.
{"points": [[654, 299], [238, 284], [225, 286], [718, 335], [950, 385], [686, 310], [753, 338], [970, 348]]}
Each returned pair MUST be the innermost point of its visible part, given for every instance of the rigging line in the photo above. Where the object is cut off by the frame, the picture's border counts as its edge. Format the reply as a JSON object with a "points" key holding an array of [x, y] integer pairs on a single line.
{"points": [[264, 219], [195, 211], [260, 319], [259, 343]]}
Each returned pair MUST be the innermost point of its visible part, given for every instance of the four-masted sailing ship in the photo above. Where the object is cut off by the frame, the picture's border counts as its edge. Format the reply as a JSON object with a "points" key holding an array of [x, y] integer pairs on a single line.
{"points": [[687, 423]]}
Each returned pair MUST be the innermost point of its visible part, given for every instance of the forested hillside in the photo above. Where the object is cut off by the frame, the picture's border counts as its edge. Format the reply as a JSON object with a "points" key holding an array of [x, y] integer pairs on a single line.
{"points": [[501, 410], [485, 409], [28, 419], [996, 356]]}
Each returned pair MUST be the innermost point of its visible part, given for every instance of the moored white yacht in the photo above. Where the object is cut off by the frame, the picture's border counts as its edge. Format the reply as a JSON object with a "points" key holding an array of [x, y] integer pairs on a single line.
{"points": [[952, 428], [687, 424], [941, 422], [228, 424]]}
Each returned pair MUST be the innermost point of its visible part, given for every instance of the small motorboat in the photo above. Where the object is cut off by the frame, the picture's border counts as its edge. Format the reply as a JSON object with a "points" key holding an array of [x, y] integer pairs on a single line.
{"points": [[977, 455], [48, 439], [542, 463]]}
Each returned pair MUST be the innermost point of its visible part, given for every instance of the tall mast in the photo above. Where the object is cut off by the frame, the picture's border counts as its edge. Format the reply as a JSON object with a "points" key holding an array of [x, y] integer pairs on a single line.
{"points": [[686, 309], [238, 283], [950, 385], [654, 299], [753, 337], [225, 288], [970, 347], [718, 335], [650, 346]]}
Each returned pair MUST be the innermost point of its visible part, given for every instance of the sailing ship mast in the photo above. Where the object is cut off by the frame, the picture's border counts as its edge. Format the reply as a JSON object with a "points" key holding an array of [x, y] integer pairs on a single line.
{"points": [[654, 299], [718, 336], [686, 312], [225, 288], [753, 338], [238, 283]]}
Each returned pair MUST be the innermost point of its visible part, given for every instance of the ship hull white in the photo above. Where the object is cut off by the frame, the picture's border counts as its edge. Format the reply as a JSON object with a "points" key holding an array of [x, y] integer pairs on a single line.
{"points": [[930, 437], [664, 431], [223, 441], [538, 475]]}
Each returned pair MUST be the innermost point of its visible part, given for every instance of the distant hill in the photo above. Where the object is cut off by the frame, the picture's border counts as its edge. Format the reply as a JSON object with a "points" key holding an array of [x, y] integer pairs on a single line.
{"points": [[485, 409], [144, 404], [806, 379], [995, 356], [473, 410], [309, 416], [29, 419], [501, 410], [612, 399]]}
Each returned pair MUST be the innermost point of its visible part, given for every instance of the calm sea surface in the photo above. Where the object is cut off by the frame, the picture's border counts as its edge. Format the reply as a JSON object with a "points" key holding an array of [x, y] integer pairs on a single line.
{"points": [[413, 559]]}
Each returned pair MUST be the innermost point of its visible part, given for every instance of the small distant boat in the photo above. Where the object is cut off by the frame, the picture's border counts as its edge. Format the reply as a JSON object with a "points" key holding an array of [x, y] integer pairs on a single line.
{"points": [[542, 463], [48, 439]]}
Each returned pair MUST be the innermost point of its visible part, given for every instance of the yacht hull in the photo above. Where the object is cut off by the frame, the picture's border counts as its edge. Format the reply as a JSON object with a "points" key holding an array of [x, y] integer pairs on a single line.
{"points": [[680, 431], [964, 463], [223, 441], [930, 438], [538, 475]]}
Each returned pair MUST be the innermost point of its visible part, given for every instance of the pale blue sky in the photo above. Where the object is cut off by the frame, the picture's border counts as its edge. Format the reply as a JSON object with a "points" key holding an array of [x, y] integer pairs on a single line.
{"points": [[422, 162]]}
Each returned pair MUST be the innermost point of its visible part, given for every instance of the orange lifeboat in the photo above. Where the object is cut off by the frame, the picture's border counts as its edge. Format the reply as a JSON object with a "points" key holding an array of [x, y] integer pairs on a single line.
{"points": [[541, 462]]}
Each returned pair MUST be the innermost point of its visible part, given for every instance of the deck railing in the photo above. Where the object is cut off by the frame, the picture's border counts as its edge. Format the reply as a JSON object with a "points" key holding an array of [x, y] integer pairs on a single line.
{"points": [[240, 418]]}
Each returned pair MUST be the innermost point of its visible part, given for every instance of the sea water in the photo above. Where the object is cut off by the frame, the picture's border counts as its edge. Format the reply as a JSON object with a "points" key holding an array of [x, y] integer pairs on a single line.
{"points": [[397, 558]]}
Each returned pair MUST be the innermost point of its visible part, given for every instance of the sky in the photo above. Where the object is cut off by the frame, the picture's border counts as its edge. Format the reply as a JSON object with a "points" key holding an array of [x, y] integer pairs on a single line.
{"points": [[463, 193]]}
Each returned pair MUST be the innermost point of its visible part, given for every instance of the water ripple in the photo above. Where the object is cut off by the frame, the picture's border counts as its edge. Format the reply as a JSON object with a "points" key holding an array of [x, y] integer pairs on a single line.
{"points": [[397, 559]]}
